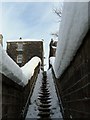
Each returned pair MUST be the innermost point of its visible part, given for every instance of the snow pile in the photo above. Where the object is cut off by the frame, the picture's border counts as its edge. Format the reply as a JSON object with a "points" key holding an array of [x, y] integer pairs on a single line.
{"points": [[52, 60], [55, 107], [73, 28], [28, 68], [33, 107], [10, 69], [54, 47]]}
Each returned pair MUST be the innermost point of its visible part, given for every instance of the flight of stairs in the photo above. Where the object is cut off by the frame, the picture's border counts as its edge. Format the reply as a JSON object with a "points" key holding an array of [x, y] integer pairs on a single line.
{"points": [[45, 100]]}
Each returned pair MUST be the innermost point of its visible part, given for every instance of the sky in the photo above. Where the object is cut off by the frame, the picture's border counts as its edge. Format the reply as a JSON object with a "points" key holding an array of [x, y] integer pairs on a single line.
{"points": [[29, 20]]}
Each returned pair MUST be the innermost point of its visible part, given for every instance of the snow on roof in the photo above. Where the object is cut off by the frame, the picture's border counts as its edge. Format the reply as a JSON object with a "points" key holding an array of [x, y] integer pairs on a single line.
{"points": [[73, 28], [24, 40], [29, 67]]}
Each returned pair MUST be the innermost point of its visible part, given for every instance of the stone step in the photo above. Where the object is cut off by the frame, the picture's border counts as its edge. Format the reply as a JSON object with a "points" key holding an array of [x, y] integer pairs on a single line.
{"points": [[44, 96], [44, 88], [45, 105], [44, 99], [45, 102], [44, 114], [44, 93], [43, 109]]}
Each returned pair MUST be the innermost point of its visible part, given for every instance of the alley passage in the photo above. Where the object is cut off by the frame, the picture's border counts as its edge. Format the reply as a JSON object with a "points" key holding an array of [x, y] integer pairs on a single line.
{"points": [[44, 101]]}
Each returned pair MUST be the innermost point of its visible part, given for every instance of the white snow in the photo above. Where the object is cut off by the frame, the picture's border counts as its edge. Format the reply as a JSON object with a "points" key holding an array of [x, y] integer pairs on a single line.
{"points": [[10, 69], [73, 28], [33, 107], [29, 67], [55, 108], [52, 60], [24, 40], [54, 47]]}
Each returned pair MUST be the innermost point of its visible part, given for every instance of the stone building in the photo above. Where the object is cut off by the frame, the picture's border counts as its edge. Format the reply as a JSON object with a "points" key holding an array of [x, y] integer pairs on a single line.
{"points": [[22, 50], [52, 49]]}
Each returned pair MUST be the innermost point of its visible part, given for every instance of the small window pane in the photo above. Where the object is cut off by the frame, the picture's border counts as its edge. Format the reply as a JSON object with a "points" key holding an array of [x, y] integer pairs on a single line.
{"points": [[19, 47], [19, 58]]}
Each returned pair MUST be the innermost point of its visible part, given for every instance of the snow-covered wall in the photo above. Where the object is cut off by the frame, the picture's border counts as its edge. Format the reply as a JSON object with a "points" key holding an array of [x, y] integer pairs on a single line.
{"points": [[29, 67], [10, 69], [52, 60], [73, 28]]}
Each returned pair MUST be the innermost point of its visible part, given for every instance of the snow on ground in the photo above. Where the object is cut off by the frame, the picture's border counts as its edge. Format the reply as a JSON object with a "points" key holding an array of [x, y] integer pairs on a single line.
{"points": [[55, 108], [29, 67], [10, 69], [33, 107], [73, 28]]}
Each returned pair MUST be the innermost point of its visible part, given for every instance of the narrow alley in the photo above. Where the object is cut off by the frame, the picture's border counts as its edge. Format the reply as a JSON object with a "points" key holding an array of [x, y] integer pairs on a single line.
{"points": [[44, 101], [45, 77]]}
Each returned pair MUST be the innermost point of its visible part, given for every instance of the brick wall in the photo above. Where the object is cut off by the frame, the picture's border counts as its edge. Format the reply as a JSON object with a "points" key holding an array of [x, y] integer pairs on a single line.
{"points": [[30, 49], [11, 50], [74, 85], [14, 97]]}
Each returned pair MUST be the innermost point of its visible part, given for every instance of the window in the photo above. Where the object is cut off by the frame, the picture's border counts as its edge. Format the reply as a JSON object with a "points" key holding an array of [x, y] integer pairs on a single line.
{"points": [[19, 58], [20, 47]]}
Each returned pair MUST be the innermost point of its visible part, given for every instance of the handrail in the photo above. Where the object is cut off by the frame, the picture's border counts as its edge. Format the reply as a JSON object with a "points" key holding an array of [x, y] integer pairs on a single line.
{"points": [[60, 102], [24, 111], [25, 108]]}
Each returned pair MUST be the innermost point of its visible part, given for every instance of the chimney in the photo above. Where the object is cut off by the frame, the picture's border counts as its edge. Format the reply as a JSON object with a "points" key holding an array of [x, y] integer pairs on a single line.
{"points": [[1, 39], [20, 38]]}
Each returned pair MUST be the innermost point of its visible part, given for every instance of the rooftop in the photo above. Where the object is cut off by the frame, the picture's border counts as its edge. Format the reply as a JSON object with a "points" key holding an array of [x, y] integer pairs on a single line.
{"points": [[24, 40]]}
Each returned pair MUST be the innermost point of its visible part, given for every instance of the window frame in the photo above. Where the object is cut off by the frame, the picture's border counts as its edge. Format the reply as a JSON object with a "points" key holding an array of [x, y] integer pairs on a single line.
{"points": [[19, 58]]}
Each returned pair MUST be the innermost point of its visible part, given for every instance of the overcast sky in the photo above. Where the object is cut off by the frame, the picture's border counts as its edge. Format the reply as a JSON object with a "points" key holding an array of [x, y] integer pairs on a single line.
{"points": [[34, 20]]}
